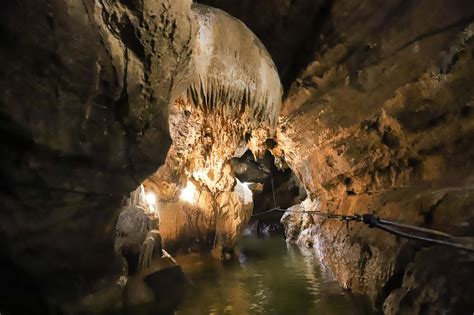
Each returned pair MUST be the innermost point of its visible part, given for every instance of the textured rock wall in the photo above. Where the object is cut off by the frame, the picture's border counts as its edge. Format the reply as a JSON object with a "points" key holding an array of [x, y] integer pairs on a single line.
{"points": [[288, 29], [85, 87], [379, 118], [231, 105], [207, 222], [381, 121]]}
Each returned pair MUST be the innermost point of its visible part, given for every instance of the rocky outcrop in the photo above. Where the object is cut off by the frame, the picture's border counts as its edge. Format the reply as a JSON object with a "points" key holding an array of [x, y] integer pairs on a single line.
{"points": [[381, 121], [157, 285], [132, 227], [85, 87], [274, 186], [232, 103]]}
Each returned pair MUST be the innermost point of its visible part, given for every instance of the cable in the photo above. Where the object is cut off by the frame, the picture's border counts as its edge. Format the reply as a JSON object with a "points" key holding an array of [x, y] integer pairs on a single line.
{"points": [[426, 239], [328, 215], [273, 192], [373, 221], [267, 211], [416, 228]]}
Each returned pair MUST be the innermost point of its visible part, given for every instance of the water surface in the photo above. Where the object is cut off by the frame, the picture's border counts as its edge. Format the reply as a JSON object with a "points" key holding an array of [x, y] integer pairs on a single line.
{"points": [[269, 277]]}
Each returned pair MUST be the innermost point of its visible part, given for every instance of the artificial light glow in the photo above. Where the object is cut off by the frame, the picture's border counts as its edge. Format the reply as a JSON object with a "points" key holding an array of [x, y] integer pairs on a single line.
{"points": [[188, 193], [150, 199]]}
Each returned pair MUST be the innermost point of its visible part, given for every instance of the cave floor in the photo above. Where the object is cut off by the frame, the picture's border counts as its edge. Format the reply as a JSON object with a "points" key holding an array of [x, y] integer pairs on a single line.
{"points": [[267, 277]]}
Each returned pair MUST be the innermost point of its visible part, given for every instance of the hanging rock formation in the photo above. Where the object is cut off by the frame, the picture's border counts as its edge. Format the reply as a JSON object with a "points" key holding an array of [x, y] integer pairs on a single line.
{"points": [[231, 105]]}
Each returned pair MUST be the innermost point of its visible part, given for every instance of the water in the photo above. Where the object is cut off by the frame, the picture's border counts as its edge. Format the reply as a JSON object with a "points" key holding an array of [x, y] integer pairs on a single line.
{"points": [[270, 277]]}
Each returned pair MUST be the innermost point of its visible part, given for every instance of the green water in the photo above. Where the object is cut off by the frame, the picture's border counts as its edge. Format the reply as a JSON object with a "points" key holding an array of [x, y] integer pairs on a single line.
{"points": [[269, 277]]}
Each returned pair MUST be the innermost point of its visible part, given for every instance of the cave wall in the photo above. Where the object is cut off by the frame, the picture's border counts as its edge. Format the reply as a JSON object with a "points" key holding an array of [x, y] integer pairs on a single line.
{"points": [[86, 92], [231, 105], [378, 118], [192, 218], [381, 121], [85, 87]]}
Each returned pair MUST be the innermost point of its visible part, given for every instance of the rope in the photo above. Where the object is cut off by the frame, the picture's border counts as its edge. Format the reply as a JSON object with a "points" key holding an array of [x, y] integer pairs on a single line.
{"points": [[373, 221], [273, 192], [320, 213]]}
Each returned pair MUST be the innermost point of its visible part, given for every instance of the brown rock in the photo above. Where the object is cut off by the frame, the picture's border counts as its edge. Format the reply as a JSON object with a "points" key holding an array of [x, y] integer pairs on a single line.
{"points": [[85, 87]]}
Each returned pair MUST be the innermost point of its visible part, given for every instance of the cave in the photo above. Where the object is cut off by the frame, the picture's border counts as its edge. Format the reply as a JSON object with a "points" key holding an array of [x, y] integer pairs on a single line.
{"points": [[237, 157]]}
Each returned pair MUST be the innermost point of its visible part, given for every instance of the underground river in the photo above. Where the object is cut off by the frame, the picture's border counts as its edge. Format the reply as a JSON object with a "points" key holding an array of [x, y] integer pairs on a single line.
{"points": [[268, 277]]}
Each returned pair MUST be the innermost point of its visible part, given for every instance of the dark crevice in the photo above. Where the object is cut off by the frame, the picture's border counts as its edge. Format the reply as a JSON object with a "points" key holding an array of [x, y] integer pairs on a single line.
{"points": [[124, 30], [305, 53], [277, 188], [121, 111], [428, 214], [405, 255], [366, 255]]}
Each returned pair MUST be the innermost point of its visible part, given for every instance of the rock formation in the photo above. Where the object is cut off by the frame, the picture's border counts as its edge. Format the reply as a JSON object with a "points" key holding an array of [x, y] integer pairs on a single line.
{"points": [[85, 88], [377, 117], [86, 93], [381, 122], [231, 105]]}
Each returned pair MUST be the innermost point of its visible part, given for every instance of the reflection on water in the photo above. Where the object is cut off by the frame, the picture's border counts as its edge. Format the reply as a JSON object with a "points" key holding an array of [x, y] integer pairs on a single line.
{"points": [[268, 278]]}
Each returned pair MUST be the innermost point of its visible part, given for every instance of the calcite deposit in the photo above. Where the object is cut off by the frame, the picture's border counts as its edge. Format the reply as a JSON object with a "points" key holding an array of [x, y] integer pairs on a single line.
{"points": [[230, 106]]}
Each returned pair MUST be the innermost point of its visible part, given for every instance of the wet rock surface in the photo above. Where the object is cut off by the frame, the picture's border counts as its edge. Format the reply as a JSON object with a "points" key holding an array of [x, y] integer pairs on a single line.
{"points": [[381, 122], [206, 224]]}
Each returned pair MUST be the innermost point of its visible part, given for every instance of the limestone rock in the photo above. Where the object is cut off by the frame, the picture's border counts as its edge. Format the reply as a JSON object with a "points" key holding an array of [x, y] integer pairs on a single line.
{"points": [[380, 121], [85, 88], [231, 104], [234, 210], [132, 228]]}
